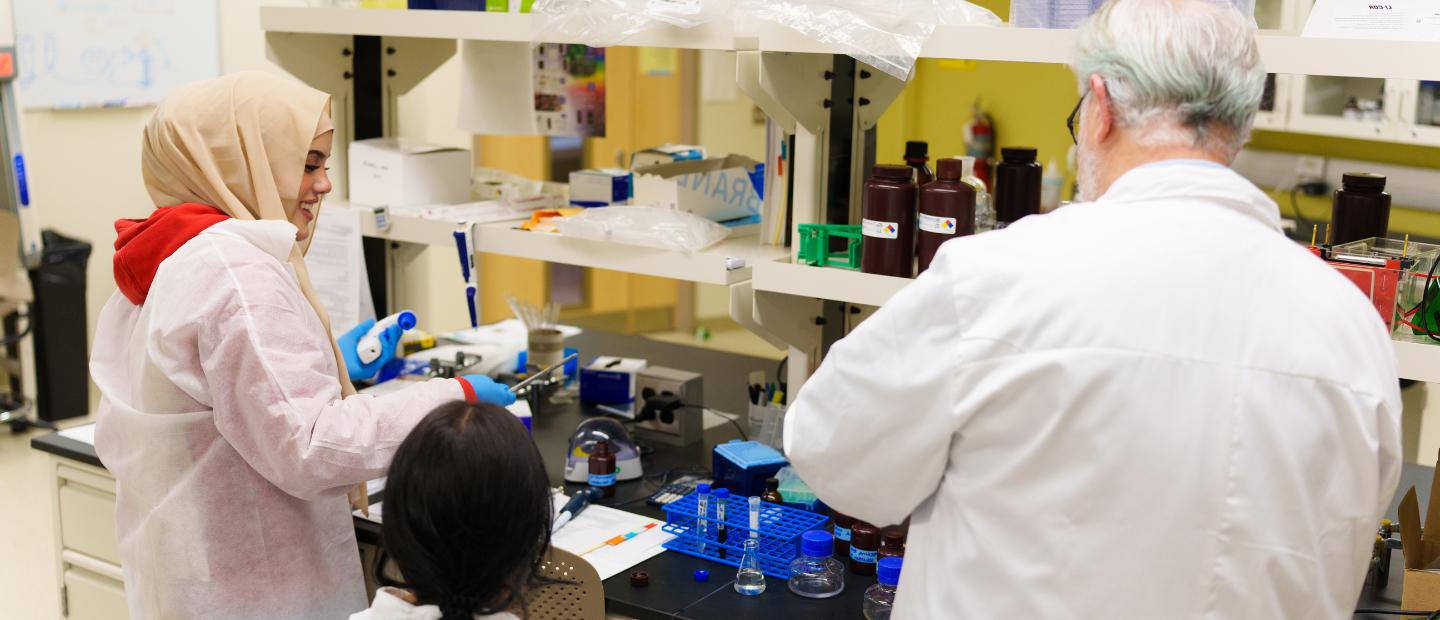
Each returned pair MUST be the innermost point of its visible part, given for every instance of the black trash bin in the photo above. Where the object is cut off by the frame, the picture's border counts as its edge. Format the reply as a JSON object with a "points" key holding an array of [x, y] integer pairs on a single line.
{"points": [[58, 324]]}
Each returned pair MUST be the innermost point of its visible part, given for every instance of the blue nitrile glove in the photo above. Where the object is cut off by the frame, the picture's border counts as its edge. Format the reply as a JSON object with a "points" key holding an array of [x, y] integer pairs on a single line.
{"points": [[488, 391], [389, 340]]}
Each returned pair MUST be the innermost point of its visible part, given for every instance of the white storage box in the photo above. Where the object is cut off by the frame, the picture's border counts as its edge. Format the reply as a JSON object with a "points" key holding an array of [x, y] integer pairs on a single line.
{"points": [[393, 172]]}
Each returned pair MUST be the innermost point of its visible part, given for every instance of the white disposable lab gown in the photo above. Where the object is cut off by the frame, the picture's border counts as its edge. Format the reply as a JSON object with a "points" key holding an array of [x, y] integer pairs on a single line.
{"points": [[222, 421], [1150, 406]]}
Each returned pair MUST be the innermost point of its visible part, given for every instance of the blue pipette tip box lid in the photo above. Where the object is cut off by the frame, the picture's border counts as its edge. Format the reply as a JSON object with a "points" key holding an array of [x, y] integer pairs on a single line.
{"points": [[747, 454]]}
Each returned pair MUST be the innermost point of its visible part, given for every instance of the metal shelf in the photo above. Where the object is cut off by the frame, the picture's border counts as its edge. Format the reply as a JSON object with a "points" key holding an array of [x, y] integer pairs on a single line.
{"points": [[727, 262], [1282, 51]]}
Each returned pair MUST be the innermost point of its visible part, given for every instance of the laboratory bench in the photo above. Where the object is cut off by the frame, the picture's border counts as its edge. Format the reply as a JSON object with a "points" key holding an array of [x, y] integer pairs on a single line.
{"points": [[84, 503]]}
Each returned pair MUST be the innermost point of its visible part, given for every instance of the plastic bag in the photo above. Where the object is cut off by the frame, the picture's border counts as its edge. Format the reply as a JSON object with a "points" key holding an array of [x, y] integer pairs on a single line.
{"points": [[884, 35], [653, 227], [603, 23]]}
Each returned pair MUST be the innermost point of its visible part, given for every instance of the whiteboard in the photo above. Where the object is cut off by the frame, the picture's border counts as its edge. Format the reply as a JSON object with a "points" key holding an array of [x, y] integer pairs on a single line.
{"points": [[104, 53]]}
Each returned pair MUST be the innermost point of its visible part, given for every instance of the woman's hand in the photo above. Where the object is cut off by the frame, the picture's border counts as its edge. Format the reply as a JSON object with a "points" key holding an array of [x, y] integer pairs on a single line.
{"points": [[488, 391], [348, 344]]}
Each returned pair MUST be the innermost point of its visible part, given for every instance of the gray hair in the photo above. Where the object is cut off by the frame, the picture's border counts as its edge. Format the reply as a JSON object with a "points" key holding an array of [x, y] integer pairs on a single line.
{"points": [[1178, 70]]}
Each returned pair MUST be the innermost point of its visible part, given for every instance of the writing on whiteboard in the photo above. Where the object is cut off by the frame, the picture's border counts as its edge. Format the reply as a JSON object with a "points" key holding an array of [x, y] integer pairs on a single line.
{"points": [[92, 53]]}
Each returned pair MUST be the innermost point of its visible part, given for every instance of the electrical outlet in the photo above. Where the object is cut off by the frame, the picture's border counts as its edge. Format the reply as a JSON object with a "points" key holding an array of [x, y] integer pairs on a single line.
{"points": [[683, 426], [1310, 167]]}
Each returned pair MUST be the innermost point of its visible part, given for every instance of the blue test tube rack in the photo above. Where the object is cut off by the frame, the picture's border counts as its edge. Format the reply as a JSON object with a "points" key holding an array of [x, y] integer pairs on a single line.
{"points": [[780, 530]]}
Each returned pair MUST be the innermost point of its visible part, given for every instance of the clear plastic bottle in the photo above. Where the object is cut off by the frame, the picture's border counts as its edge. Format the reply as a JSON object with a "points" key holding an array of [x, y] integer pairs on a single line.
{"points": [[984, 210], [814, 573], [750, 580], [880, 598]]}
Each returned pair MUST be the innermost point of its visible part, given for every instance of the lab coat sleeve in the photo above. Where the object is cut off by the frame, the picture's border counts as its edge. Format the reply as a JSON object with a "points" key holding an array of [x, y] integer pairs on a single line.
{"points": [[870, 432], [273, 389]]}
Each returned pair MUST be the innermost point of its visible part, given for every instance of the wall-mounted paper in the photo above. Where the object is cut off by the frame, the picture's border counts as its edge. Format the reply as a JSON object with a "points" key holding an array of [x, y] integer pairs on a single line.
{"points": [[336, 261], [518, 89], [1392, 20]]}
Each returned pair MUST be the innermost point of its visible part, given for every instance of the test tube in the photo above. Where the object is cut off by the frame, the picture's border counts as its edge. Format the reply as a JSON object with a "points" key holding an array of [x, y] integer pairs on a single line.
{"points": [[702, 512], [755, 516], [722, 497]]}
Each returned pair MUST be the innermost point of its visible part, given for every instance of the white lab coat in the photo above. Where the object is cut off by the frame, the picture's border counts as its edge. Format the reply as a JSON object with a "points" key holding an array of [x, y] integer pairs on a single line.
{"points": [[1150, 406], [389, 606], [221, 419]]}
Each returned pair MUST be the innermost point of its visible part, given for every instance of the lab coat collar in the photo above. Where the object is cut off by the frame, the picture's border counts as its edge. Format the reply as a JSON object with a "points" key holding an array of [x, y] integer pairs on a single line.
{"points": [[274, 237], [1184, 179]]}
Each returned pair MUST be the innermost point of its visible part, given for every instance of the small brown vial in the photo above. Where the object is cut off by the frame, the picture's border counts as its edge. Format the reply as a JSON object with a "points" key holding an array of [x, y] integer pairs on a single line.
{"points": [[602, 468], [864, 548], [772, 492], [892, 543]]}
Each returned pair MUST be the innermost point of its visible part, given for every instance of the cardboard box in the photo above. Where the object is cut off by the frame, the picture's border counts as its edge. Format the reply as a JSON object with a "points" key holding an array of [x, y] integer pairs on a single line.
{"points": [[600, 187], [719, 189], [394, 172], [1421, 589], [666, 154]]}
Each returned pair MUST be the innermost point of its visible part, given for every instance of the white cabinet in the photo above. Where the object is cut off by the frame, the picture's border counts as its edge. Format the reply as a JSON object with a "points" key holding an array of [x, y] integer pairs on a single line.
{"points": [[1418, 107], [89, 556], [90, 596], [1340, 106], [1275, 104]]}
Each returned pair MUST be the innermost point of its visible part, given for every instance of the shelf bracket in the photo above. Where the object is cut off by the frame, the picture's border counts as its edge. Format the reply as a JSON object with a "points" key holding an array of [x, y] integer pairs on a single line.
{"points": [[787, 321], [875, 90], [791, 88]]}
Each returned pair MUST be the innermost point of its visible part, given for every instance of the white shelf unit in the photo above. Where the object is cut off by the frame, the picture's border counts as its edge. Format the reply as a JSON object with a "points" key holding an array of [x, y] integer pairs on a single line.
{"points": [[768, 269], [1417, 361], [1282, 51], [728, 262]]}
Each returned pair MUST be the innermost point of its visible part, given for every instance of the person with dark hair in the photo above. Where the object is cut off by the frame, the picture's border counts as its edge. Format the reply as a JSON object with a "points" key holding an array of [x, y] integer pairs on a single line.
{"points": [[467, 516]]}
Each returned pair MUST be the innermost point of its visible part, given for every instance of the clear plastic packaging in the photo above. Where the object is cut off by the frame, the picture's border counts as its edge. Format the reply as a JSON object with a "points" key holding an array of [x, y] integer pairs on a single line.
{"points": [[603, 23], [654, 227], [1071, 13], [884, 35]]}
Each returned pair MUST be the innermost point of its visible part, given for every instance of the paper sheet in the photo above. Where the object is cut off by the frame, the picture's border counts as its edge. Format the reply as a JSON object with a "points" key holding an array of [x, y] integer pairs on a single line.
{"points": [[85, 433], [597, 524], [594, 526], [1393, 20], [336, 261]]}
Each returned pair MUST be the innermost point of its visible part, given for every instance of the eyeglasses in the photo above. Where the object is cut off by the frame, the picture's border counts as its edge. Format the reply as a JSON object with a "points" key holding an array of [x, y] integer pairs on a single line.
{"points": [[1074, 116]]}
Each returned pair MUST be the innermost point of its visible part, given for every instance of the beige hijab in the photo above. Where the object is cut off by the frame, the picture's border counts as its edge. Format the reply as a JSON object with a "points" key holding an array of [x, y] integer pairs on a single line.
{"points": [[239, 143]]}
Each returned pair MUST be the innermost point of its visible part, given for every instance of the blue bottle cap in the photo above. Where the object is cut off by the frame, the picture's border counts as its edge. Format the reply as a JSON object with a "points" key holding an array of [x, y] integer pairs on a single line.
{"points": [[702, 576], [889, 570], [703, 489], [817, 544], [722, 493]]}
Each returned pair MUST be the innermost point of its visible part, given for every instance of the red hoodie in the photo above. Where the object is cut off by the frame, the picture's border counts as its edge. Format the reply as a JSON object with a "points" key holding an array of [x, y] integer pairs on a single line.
{"points": [[143, 244]]}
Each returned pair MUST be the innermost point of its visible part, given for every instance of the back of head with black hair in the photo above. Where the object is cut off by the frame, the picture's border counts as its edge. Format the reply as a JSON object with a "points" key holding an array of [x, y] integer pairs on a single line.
{"points": [[467, 510]]}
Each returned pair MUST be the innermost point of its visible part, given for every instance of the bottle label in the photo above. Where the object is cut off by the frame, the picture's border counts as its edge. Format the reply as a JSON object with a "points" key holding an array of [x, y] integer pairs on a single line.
{"points": [[842, 533], [937, 225], [862, 556], [602, 480], [879, 229]]}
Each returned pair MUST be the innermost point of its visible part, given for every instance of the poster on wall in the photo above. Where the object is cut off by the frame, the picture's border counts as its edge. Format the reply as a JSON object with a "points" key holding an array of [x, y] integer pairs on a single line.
{"points": [[515, 89], [112, 53]]}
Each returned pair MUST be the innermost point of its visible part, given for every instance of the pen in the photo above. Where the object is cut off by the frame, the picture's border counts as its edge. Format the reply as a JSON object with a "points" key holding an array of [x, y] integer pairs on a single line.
{"points": [[620, 539], [465, 245]]}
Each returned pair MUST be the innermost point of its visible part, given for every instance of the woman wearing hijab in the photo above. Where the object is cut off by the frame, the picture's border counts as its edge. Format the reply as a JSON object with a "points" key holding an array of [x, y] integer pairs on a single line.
{"points": [[227, 415]]}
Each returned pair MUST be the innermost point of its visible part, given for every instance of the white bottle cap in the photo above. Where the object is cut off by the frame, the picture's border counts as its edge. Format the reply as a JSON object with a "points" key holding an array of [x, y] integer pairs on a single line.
{"points": [[967, 165]]}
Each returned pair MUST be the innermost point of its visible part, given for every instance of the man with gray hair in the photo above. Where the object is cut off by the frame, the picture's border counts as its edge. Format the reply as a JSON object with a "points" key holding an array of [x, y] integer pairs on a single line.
{"points": [[1151, 404]]}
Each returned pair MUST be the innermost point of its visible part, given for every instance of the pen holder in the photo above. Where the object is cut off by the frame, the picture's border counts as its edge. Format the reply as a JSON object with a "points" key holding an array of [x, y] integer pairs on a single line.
{"points": [[545, 347], [767, 425], [780, 530]]}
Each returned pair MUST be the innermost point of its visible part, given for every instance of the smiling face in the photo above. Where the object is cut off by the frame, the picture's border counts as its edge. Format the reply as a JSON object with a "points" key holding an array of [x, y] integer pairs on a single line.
{"points": [[314, 184]]}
